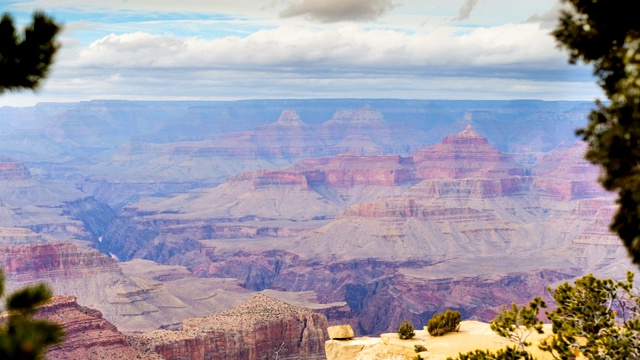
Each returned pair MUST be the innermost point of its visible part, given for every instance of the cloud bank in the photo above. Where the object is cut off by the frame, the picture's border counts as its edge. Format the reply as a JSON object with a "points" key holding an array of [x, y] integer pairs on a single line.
{"points": [[346, 48], [201, 50]]}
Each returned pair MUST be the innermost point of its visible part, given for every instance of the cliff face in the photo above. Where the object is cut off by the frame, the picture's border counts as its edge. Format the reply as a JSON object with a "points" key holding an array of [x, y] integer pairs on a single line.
{"points": [[564, 174], [88, 335], [261, 327], [13, 170], [464, 155], [60, 260], [95, 279]]}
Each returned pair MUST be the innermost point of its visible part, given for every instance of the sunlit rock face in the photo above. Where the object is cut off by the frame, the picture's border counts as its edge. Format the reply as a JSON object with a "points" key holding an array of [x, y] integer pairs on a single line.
{"points": [[566, 175], [464, 155], [87, 334], [260, 327], [13, 170]]}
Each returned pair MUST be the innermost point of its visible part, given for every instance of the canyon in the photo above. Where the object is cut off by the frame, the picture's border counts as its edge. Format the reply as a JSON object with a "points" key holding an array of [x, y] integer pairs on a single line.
{"points": [[366, 212]]}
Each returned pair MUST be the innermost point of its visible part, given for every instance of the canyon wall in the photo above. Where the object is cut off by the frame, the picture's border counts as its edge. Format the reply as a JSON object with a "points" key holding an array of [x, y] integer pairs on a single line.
{"points": [[262, 327], [87, 334]]}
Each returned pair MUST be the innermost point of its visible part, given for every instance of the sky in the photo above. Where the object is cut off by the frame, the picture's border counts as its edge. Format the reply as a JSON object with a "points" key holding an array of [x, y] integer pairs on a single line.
{"points": [[297, 49]]}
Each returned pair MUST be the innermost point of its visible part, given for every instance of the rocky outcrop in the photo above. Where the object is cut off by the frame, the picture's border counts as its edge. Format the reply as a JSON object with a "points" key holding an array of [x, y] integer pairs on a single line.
{"points": [[340, 332], [349, 171], [87, 334], [13, 170], [343, 171], [464, 155], [261, 327], [95, 279], [13, 236], [409, 208], [471, 188], [60, 260], [266, 178], [364, 116], [565, 174]]}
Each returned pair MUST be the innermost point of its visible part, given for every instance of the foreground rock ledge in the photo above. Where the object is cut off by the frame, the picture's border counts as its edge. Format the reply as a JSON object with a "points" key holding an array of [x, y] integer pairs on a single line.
{"points": [[340, 332], [472, 335], [260, 328]]}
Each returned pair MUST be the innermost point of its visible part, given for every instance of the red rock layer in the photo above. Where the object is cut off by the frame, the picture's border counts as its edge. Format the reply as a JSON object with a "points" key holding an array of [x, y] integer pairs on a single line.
{"points": [[88, 335], [598, 232], [565, 175], [349, 171], [342, 171], [258, 328], [30, 262], [464, 155], [471, 188], [13, 170], [404, 208], [265, 178]]}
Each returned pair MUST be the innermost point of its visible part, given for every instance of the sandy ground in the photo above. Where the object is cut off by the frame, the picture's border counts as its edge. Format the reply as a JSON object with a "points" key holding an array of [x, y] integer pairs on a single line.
{"points": [[472, 335]]}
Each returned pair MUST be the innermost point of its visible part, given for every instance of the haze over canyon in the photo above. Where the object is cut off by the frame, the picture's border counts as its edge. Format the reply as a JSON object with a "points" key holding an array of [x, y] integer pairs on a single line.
{"points": [[161, 225]]}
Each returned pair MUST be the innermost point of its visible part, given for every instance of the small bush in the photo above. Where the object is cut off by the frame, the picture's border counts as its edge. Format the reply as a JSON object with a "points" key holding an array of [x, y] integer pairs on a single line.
{"points": [[510, 353], [405, 330], [443, 323], [419, 348], [418, 357]]}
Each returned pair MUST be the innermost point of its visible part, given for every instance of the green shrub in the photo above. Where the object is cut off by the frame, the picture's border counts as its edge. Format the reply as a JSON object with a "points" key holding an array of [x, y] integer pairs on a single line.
{"points": [[510, 353], [442, 323], [516, 324], [405, 330], [419, 348], [418, 357]]}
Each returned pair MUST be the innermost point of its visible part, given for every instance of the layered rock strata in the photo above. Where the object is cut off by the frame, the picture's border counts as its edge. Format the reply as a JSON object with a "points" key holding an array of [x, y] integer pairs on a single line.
{"points": [[11, 170], [87, 334], [564, 174], [262, 327], [464, 155]]}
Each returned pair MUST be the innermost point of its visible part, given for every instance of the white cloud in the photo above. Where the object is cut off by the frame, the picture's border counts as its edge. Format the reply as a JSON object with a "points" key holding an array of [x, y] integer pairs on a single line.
{"points": [[328, 11], [333, 49], [410, 52]]}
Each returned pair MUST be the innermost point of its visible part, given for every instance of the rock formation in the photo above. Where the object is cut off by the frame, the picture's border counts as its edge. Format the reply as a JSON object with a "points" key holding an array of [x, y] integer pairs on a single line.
{"points": [[261, 327], [13, 170], [95, 279], [464, 155], [565, 174], [88, 335]]}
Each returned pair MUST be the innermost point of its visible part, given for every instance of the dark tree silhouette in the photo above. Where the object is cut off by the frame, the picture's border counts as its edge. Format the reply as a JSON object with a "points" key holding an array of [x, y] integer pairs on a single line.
{"points": [[24, 61], [21, 336], [606, 34], [25, 58]]}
